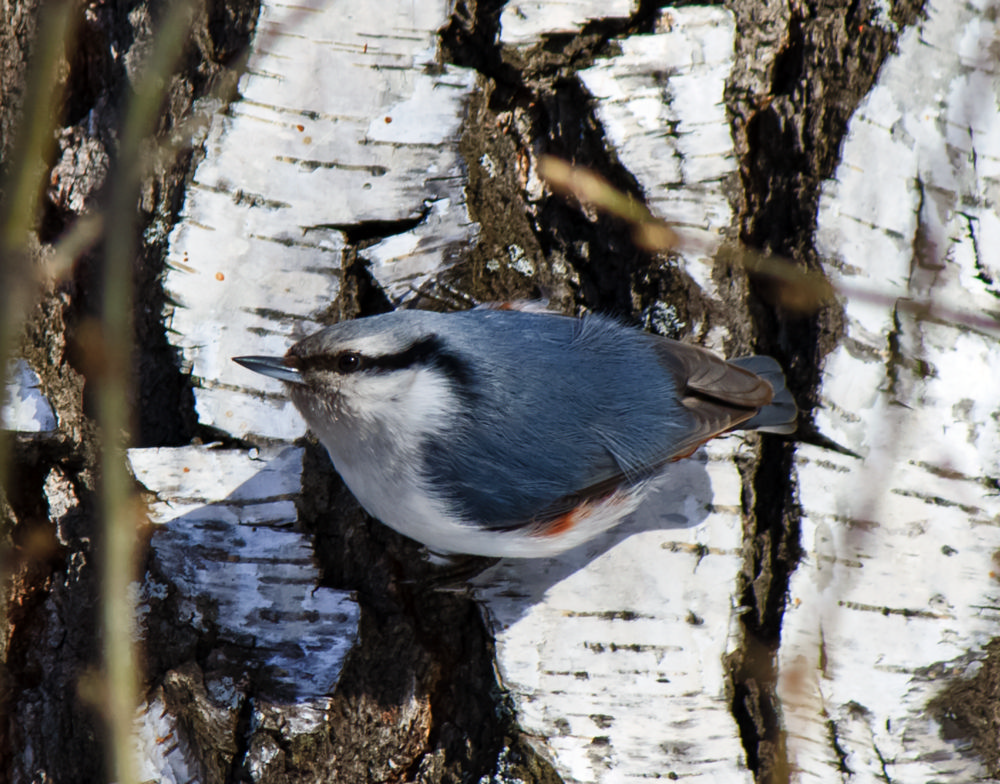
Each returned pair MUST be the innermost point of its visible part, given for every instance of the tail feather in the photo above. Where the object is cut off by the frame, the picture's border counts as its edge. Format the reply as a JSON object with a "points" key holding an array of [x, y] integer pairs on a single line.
{"points": [[781, 414]]}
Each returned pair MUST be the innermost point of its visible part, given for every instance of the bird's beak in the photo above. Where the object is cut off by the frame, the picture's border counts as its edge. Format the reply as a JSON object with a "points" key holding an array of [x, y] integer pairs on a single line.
{"points": [[275, 367]]}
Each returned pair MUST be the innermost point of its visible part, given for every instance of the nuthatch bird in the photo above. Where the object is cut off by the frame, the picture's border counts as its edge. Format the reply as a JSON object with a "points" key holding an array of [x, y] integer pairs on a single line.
{"points": [[513, 433]]}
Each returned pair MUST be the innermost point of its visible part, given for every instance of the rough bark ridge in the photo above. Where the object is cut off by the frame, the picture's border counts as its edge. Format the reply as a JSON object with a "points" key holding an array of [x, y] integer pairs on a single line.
{"points": [[801, 70], [968, 710], [418, 699], [533, 103], [50, 628]]}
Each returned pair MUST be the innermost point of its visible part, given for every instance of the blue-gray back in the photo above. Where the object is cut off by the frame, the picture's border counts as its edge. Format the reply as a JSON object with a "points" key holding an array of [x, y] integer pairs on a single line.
{"points": [[557, 405]]}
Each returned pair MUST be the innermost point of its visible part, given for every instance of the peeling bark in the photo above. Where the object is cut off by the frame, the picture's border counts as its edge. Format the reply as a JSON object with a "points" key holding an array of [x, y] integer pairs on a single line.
{"points": [[779, 612]]}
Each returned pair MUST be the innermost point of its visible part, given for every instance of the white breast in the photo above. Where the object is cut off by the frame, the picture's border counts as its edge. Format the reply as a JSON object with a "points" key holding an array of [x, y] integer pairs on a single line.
{"points": [[375, 439]]}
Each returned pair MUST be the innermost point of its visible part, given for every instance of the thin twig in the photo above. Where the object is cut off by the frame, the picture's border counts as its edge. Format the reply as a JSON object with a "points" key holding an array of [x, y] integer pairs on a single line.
{"points": [[120, 507]]}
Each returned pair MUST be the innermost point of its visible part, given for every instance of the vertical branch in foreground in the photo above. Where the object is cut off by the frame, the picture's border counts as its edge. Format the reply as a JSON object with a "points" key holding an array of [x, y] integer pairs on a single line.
{"points": [[24, 182], [20, 195], [119, 505]]}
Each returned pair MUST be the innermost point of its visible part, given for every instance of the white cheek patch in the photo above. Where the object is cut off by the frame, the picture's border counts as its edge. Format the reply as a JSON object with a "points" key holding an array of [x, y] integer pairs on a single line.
{"points": [[430, 400], [406, 403], [376, 439]]}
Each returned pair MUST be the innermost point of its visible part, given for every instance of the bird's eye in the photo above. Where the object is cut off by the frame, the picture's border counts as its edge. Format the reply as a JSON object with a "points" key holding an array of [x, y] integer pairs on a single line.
{"points": [[348, 362]]}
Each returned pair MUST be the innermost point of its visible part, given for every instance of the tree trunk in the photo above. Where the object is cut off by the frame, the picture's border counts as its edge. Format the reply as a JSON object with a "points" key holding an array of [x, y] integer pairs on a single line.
{"points": [[813, 608]]}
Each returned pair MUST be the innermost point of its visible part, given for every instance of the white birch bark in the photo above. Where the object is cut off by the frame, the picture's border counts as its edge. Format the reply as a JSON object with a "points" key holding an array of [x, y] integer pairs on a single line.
{"points": [[523, 23], [661, 103], [227, 542], [898, 592], [227, 547], [344, 119], [614, 653], [25, 409]]}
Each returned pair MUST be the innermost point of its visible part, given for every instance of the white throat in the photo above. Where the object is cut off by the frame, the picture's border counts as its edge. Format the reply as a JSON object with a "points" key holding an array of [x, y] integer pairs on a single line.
{"points": [[375, 435]]}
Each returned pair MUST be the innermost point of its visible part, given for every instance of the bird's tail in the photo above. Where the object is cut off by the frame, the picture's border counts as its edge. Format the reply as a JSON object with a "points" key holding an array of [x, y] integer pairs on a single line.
{"points": [[781, 414]]}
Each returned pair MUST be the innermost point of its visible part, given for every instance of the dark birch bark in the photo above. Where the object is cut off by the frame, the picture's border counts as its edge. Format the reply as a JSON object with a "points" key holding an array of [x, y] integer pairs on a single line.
{"points": [[783, 611]]}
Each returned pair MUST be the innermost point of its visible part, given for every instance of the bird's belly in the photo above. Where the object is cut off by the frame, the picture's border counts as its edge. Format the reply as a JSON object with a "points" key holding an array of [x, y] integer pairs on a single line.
{"points": [[401, 500]]}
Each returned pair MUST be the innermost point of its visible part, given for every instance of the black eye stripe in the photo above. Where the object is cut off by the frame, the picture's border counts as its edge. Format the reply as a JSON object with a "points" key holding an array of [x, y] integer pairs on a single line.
{"points": [[426, 351], [342, 362]]}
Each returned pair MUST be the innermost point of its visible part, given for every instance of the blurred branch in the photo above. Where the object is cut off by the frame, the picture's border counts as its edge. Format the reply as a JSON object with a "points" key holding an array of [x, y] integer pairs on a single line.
{"points": [[121, 509], [648, 232], [792, 286], [75, 241], [26, 168], [25, 271], [24, 184], [35, 138]]}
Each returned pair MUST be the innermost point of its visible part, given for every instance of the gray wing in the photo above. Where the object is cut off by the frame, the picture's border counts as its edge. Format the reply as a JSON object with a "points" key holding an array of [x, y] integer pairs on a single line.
{"points": [[718, 395], [576, 408]]}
